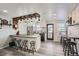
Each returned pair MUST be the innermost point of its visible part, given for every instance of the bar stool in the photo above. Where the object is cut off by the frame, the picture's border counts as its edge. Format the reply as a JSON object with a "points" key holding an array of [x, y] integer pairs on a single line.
{"points": [[64, 41], [71, 48], [64, 45], [67, 48], [17, 43], [32, 46], [20, 44], [61, 40], [74, 49], [12, 43], [25, 45]]}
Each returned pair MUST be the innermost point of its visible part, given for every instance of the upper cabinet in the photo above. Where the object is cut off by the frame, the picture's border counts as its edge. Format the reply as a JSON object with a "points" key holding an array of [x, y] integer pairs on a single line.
{"points": [[26, 18], [75, 15]]}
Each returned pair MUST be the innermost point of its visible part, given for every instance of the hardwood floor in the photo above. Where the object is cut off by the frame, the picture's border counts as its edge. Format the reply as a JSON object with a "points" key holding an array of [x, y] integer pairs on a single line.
{"points": [[51, 48], [48, 48]]}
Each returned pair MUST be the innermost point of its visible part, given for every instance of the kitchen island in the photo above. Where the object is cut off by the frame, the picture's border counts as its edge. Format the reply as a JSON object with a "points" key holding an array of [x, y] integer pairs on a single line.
{"points": [[34, 37]]}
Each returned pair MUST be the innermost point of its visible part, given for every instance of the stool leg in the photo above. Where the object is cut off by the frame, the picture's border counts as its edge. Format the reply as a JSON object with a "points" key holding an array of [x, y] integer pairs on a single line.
{"points": [[73, 50], [68, 51], [65, 51], [76, 50], [64, 45]]}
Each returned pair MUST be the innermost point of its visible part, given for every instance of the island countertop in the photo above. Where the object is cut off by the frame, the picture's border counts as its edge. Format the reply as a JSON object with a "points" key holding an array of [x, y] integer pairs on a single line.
{"points": [[26, 36]]}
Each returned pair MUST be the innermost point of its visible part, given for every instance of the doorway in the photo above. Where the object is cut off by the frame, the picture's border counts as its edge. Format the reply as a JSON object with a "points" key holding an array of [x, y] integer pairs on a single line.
{"points": [[50, 31]]}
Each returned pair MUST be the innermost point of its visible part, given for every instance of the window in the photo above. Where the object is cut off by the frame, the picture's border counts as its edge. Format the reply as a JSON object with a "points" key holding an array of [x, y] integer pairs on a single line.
{"points": [[36, 27], [62, 27]]}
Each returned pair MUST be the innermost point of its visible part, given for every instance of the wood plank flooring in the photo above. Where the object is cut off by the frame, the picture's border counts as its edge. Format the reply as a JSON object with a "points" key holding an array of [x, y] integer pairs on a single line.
{"points": [[49, 48]]}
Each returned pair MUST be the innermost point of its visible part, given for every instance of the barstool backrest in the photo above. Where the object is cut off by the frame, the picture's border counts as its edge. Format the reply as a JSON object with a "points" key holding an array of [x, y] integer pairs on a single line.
{"points": [[32, 43]]}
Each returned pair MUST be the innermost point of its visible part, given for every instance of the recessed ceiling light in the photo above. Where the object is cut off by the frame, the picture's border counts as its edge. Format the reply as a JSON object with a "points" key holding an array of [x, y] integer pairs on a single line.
{"points": [[5, 11]]}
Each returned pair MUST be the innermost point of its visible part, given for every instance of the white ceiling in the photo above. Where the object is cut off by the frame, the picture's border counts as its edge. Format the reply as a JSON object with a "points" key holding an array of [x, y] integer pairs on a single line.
{"points": [[48, 11]]}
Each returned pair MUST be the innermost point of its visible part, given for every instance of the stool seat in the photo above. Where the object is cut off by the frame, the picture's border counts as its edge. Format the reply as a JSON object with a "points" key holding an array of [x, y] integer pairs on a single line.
{"points": [[72, 43]]}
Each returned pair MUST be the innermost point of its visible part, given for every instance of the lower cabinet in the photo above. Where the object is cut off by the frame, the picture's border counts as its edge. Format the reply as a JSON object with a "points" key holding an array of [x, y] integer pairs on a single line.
{"points": [[42, 36]]}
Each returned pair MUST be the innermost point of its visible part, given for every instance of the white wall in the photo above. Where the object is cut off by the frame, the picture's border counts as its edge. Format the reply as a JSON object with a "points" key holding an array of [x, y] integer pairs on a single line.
{"points": [[56, 29], [4, 35], [6, 30], [15, 10]]}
